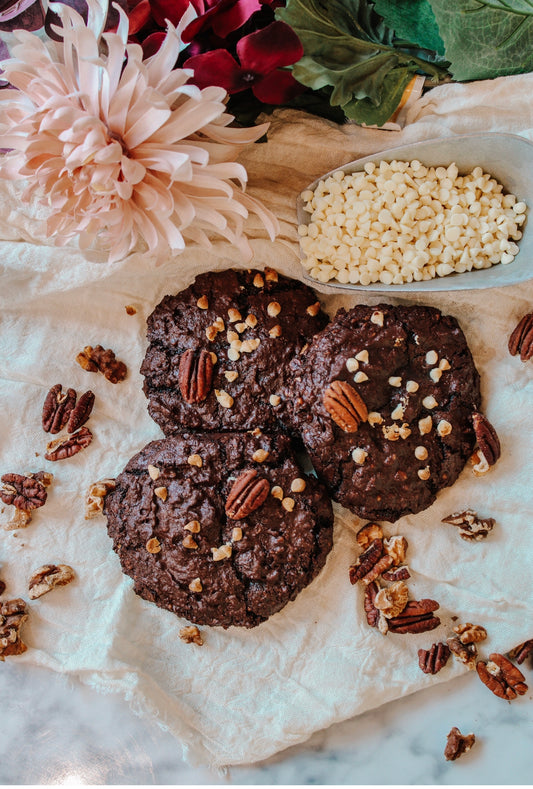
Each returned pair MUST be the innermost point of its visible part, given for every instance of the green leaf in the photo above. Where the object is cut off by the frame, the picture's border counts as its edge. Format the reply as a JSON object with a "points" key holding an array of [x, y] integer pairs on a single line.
{"points": [[484, 39], [412, 20], [348, 47]]}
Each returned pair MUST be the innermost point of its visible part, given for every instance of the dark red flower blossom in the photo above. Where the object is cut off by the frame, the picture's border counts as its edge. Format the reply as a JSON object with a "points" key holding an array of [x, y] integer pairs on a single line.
{"points": [[263, 56]]}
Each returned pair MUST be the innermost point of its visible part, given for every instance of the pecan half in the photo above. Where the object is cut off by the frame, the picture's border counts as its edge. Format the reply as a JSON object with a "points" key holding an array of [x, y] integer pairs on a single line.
{"points": [[416, 617], [345, 406], [372, 613], [195, 375], [520, 652], [469, 633], [521, 339], [81, 412], [12, 617], [48, 577], [465, 653], [433, 659], [487, 438], [65, 447], [99, 359], [94, 499], [24, 492], [396, 574], [370, 564], [457, 744], [57, 408], [247, 494], [502, 677], [470, 525]]}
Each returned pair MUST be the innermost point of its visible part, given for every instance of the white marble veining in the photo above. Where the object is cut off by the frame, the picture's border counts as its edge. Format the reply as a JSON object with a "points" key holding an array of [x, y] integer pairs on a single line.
{"points": [[53, 731]]}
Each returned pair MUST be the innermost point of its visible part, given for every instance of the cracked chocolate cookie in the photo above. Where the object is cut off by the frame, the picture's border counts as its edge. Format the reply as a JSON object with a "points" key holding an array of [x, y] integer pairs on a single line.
{"points": [[383, 399], [219, 351], [222, 529]]}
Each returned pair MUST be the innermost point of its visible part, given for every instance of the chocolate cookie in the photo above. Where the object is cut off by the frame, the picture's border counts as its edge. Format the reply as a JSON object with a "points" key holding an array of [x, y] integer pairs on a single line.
{"points": [[383, 399], [223, 529], [219, 351]]}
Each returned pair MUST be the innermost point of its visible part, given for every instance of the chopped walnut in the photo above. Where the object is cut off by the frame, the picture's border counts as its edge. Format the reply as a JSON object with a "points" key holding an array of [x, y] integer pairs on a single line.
{"points": [[98, 359], [20, 520], [392, 600], [153, 545], [522, 651], [465, 653], [457, 744], [161, 493], [396, 547], [469, 633], [94, 499], [48, 577], [130, 309], [195, 460], [191, 635], [195, 585], [470, 525], [260, 455], [12, 617], [369, 533]]}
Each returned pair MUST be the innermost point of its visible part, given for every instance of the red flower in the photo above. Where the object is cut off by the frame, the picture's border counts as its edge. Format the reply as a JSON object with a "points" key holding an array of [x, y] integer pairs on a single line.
{"points": [[222, 16], [262, 56]]}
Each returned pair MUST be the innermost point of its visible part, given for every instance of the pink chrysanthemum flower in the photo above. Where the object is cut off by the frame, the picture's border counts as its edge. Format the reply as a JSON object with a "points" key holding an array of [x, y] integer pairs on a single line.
{"points": [[122, 150]]}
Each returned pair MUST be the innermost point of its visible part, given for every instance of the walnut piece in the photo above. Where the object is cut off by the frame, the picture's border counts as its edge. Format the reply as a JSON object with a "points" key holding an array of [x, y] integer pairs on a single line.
{"points": [[470, 525], [457, 744], [470, 634], [396, 548], [12, 617], [94, 499], [466, 653], [98, 359], [20, 520], [23, 492], [392, 600], [369, 533], [191, 635], [48, 577]]}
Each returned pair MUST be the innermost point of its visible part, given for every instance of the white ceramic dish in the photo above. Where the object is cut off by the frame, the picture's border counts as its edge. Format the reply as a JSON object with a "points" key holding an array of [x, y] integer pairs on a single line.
{"points": [[507, 157]]}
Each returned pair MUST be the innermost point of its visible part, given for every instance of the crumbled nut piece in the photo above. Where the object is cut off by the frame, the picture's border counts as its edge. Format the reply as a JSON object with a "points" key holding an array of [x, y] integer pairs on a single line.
{"points": [[469, 633], [236, 534], [457, 744], [20, 520], [153, 472], [359, 455], [274, 400], [189, 542], [214, 357], [260, 455], [313, 309], [48, 577], [275, 331], [466, 653], [161, 493], [102, 360], [374, 418], [195, 460], [193, 526], [377, 318], [274, 309], [470, 525], [224, 552], [367, 534], [12, 617], [425, 425], [395, 431], [195, 585], [191, 635], [23, 492], [370, 564], [203, 302], [258, 281], [396, 547], [277, 492], [521, 652], [225, 400], [234, 315], [94, 499], [288, 503], [130, 309], [231, 375], [298, 485], [480, 464], [153, 545], [392, 600], [432, 660]]}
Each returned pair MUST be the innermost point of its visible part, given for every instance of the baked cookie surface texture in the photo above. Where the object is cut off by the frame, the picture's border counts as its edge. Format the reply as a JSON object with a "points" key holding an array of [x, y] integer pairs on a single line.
{"points": [[222, 529], [383, 399], [219, 351]]}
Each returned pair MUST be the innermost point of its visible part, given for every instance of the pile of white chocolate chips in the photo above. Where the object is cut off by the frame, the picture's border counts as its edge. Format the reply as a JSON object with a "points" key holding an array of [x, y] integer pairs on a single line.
{"points": [[401, 221]]}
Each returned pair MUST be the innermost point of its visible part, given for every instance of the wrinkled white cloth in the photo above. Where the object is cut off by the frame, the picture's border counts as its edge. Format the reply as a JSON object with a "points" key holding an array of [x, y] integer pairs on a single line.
{"points": [[246, 694]]}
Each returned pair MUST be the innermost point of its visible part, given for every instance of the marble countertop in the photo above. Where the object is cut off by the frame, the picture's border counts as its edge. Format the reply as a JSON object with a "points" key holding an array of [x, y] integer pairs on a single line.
{"points": [[55, 731]]}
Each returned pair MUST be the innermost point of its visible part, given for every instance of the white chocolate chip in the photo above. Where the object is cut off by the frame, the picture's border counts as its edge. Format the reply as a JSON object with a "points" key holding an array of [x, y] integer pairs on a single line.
{"points": [[231, 375], [260, 455], [425, 425], [240, 327], [411, 387], [195, 460], [224, 552], [225, 400], [195, 585], [424, 473], [233, 355], [153, 472], [288, 504], [444, 428], [359, 455], [275, 331], [193, 526], [277, 492], [271, 275], [313, 309], [189, 542], [432, 357], [274, 400], [161, 493], [362, 356], [250, 345], [360, 377], [395, 380], [444, 364], [202, 303], [352, 365], [374, 418], [219, 324], [211, 333], [377, 318], [435, 374], [234, 315], [236, 534], [258, 281], [232, 335], [398, 412], [429, 402], [421, 453], [298, 485], [274, 309], [251, 321]]}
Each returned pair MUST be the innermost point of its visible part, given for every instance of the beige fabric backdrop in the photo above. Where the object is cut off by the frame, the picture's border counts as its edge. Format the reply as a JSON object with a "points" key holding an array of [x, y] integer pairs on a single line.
{"points": [[247, 694]]}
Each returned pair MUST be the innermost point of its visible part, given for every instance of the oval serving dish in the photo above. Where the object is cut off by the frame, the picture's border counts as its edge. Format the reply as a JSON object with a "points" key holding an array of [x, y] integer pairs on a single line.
{"points": [[506, 157]]}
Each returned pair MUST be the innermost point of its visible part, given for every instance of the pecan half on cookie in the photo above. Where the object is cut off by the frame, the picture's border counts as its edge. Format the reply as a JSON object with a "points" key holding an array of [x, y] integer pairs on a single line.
{"points": [[195, 375], [345, 406], [247, 494]]}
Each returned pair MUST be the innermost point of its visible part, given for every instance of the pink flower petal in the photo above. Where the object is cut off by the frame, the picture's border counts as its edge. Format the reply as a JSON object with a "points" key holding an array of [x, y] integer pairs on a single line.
{"points": [[277, 87], [217, 67], [274, 46]]}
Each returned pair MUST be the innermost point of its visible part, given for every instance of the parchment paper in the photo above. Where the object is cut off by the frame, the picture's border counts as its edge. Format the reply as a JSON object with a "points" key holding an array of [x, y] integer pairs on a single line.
{"points": [[248, 693]]}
